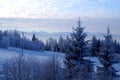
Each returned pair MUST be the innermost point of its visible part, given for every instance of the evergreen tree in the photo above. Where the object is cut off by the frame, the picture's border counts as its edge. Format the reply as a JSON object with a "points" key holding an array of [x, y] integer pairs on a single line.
{"points": [[1, 35], [77, 67], [106, 58], [5, 42], [66, 44], [55, 46], [51, 45], [98, 46], [117, 47], [34, 37], [95, 46], [47, 45], [62, 44]]}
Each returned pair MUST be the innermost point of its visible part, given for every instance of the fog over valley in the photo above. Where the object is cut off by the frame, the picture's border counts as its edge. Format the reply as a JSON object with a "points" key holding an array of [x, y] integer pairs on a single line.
{"points": [[60, 25]]}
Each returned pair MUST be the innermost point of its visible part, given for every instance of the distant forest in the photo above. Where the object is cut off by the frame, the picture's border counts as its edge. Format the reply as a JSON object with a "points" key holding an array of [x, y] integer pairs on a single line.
{"points": [[14, 38]]}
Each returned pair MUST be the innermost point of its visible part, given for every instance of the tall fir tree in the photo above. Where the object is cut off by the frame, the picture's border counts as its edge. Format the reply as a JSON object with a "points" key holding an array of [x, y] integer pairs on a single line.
{"points": [[77, 67], [106, 58]]}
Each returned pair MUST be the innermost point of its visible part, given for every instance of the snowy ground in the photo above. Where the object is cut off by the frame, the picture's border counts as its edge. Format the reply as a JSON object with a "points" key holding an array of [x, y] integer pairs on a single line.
{"points": [[6, 54], [97, 63]]}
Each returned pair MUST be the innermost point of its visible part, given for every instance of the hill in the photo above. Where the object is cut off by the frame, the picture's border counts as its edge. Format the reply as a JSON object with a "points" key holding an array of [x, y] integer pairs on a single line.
{"points": [[6, 54]]}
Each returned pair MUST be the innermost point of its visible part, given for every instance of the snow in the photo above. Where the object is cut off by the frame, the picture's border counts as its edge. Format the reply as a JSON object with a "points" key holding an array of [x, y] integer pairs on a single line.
{"points": [[98, 64], [6, 54], [95, 62]]}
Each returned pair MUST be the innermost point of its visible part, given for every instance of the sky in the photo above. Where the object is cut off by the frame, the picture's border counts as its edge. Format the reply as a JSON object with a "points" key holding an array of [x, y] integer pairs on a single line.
{"points": [[98, 10], [59, 8]]}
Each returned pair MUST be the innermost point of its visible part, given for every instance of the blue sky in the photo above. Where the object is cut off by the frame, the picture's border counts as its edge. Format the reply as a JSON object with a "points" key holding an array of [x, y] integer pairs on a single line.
{"points": [[100, 13], [59, 8]]}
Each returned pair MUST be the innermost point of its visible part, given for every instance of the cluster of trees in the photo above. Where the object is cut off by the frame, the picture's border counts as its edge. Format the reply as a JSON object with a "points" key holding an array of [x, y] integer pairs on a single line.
{"points": [[76, 66], [107, 59], [55, 45], [96, 44], [15, 39], [18, 40], [79, 68]]}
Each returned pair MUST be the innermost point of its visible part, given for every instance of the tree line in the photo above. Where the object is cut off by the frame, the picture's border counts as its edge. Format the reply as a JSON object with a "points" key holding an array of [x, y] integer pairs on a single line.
{"points": [[14, 38], [10, 38]]}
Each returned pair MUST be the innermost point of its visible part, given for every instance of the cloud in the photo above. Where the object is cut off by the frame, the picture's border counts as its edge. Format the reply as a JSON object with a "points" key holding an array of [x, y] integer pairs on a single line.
{"points": [[59, 8]]}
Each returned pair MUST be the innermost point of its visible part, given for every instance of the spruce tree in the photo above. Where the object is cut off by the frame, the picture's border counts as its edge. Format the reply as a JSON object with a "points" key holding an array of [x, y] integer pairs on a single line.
{"points": [[98, 46], [117, 46], [77, 67], [33, 37], [106, 58], [95, 46]]}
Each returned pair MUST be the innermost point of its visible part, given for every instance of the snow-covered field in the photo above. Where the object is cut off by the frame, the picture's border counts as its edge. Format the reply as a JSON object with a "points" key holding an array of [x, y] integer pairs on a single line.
{"points": [[6, 54]]}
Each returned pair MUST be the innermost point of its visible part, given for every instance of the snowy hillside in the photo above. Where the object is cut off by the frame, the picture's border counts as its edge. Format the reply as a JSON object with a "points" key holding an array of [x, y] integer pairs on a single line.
{"points": [[31, 62], [6, 54]]}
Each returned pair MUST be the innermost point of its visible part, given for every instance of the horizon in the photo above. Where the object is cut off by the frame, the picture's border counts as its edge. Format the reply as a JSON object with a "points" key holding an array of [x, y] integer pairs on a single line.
{"points": [[60, 25]]}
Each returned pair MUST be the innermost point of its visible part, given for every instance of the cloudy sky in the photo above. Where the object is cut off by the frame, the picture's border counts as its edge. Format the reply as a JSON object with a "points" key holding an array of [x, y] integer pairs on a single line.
{"points": [[59, 8], [64, 9]]}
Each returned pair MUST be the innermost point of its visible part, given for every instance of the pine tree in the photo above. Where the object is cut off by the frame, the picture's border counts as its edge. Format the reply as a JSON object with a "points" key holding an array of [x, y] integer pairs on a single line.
{"points": [[95, 46], [47, 45], [51, 45], [62, 43], [66, 44], [106, 58], [34, 37], [77, 67], [98, 46], [117, 46]]}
